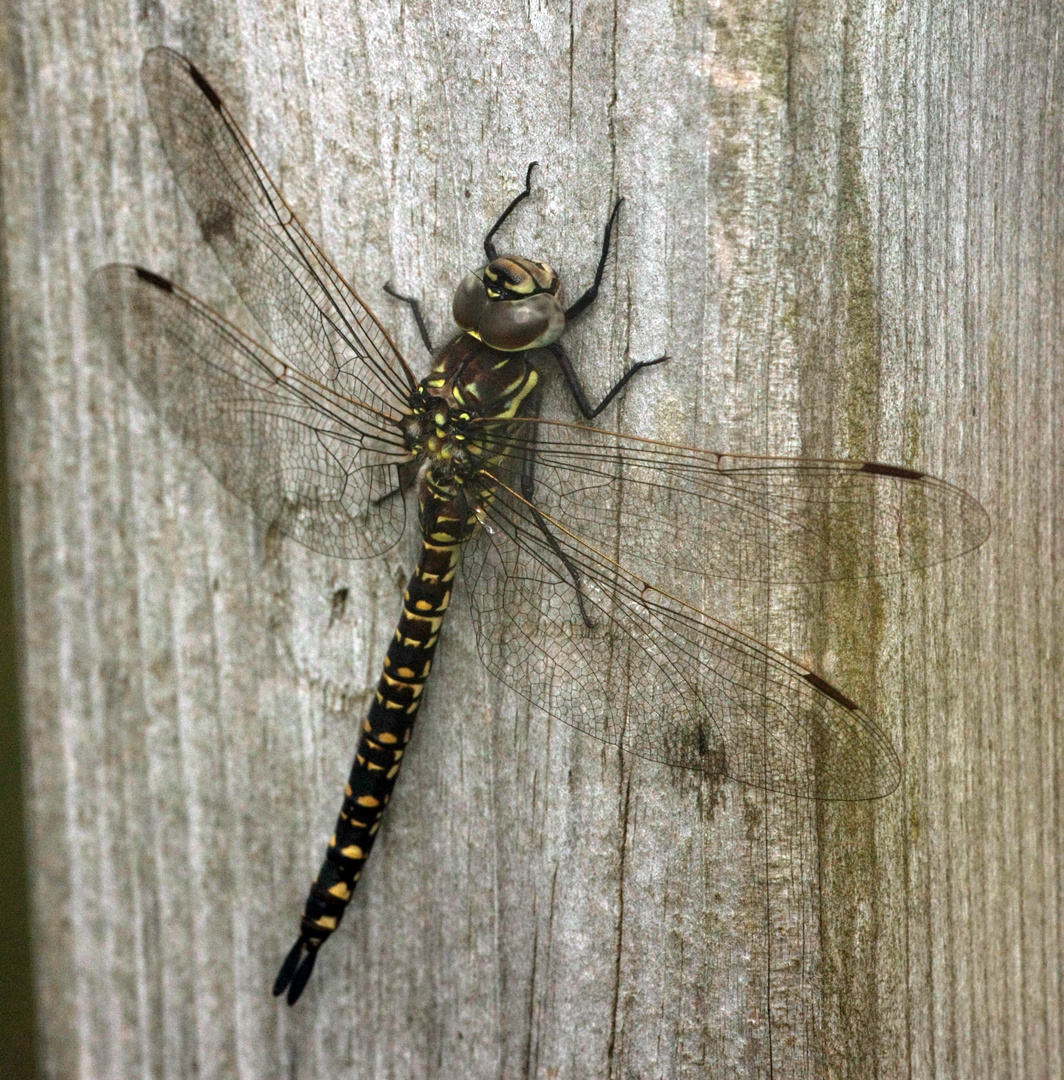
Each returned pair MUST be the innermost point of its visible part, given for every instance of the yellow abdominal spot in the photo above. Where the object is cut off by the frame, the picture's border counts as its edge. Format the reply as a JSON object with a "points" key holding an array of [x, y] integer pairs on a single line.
{"points": [[433, 622], [413, 687]]}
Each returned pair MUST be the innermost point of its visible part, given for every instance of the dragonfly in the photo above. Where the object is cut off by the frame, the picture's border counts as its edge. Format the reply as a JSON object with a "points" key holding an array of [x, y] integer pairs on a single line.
{"points": [[584, 552]]}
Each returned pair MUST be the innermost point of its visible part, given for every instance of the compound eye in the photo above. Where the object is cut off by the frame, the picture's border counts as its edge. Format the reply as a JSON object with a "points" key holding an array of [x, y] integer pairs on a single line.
{"points": [[470, 300], [531, 323]]}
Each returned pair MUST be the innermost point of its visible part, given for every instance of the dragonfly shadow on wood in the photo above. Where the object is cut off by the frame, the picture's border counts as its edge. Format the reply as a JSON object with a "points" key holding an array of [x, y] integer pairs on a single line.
{"points": [[581, 548]]}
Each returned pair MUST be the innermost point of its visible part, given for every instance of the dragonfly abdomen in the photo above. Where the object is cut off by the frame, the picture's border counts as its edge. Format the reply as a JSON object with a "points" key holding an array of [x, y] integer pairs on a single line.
{"points": [[385, 733]]}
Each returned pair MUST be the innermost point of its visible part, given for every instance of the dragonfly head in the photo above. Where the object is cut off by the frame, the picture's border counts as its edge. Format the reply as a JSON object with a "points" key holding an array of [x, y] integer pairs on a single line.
{"points": [[511, 304]]}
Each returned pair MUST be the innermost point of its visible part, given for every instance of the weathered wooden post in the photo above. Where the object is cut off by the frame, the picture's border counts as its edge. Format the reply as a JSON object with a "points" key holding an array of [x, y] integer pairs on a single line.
{"points": [[842, 223]]}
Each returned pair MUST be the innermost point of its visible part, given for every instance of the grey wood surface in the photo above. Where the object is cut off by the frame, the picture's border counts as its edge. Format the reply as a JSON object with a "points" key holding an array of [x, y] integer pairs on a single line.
{"points": [[843, 223]]}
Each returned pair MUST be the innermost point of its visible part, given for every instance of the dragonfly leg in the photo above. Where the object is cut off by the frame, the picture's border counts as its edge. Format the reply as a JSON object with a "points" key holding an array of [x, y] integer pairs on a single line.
{"points": [[406, 475], [415, 307], [590, 294], [574, 309], [489, 247], [567, 369], [528, 489]]}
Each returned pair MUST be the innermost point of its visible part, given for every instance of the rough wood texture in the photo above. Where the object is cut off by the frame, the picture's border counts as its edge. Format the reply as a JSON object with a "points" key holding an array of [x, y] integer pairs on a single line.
{"points": [[843, 224]]}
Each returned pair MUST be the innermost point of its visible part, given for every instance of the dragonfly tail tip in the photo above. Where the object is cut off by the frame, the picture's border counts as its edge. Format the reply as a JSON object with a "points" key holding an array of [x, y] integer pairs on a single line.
{"points": [[288, 968], [302, 974]]}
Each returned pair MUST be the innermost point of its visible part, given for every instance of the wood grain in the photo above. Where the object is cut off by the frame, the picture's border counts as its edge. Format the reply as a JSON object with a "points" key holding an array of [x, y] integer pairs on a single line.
{"points": [[842, 221]]}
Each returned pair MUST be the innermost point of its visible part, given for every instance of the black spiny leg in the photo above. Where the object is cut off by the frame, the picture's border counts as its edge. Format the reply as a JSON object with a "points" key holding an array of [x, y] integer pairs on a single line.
{"points": [[574, 309], [577, 390], [589, 296], [528, 490], [415, 307], [489, 247], [492, 254], [406, 474]]}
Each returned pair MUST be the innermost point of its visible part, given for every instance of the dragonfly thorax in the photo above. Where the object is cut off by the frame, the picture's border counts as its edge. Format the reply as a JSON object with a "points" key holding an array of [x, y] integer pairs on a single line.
{"points": [[461, 411], [511, 304], [469, 382], [447, 436]]}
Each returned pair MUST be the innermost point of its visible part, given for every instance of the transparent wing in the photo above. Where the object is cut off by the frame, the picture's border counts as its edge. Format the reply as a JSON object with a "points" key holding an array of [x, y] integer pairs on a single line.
{"points": [[566, 612], [313, 317], [575, 634], [675, 512], [320, 465]]}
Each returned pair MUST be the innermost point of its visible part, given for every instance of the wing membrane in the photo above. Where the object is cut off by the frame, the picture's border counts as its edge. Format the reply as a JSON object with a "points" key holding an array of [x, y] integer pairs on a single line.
{"points": [[578, 636], [318, 464], [313, 317], [672, 510]]}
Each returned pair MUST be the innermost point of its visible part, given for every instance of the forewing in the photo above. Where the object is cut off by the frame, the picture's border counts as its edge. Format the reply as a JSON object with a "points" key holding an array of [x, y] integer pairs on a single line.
{"points": [[313, 317], [666, 510], [319, 465], [575, 634]]}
